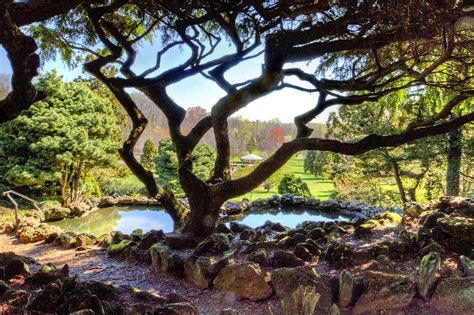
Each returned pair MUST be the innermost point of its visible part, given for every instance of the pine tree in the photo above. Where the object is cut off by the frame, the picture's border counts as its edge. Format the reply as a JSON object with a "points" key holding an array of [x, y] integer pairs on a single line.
{"points": [[149, 154]]}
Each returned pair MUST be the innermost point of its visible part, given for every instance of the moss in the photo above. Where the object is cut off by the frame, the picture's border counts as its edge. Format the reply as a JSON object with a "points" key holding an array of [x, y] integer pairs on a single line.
{"points": [[117, 249], [392, 217]]}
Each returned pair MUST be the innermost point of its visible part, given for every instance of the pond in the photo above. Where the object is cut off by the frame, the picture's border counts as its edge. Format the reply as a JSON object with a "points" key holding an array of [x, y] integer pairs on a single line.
{"points": [[127, 219], [124, 219], [290, 217]]}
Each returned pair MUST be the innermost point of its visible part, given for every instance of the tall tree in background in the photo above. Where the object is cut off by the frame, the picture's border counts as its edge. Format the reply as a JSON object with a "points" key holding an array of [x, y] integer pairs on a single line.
{"points": [[149, 154], [454, 155], [367, 50], [59, 139]]}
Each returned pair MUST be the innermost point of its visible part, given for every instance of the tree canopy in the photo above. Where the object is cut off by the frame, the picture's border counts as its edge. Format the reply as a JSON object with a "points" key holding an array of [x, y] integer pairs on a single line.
{"points": [[365, 50], [59, 138]]}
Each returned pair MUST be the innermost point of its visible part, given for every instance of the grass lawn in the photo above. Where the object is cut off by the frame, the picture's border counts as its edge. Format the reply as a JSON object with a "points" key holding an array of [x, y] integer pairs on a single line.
{"points": [[320, 188]]}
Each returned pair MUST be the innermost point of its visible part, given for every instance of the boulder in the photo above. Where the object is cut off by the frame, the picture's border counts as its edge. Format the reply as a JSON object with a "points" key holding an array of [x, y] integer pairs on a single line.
{"points": [[286, 281], [66, 239], [104, 240], [384, 291], [150, 238], [260, 257], [237, 227], [222, 228], [428, 274], [216, 243], [36, 233], [79, 209], [458, 227], [7, 227], [282, 258], [84, 239], [136, 235], [454, 296], [108, 201], [56, 213], [243, 281], [302, 252], [298, 201], [286, 200], [260, 203], [120, 248], [12, 265], [202, 270], [165, 260]]}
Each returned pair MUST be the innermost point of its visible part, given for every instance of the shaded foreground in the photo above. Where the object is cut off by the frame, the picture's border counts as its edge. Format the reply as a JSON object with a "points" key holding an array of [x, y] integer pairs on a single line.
{"points": [[421, 261]]}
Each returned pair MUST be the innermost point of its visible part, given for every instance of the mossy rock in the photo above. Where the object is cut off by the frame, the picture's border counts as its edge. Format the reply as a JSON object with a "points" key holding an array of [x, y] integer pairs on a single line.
{"points": [[458, 227], [13, 265], [118, 249], [213, 244], [260, 257], [428, 275], [282, 258], [302, 252], [165, 260]]}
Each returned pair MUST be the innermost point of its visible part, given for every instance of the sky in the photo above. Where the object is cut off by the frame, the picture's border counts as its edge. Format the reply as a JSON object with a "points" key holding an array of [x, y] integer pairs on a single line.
{"points": [[198, 91]]}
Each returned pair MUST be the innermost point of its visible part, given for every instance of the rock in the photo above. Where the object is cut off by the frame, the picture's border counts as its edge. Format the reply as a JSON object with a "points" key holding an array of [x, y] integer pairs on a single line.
{"points": [[67, 240], [260, 257], [136, 235], [30, 230], [454, 296], [165, 260], [202, 270], [243, 281], [428, 274], [260, 203], [302, 252], [286, 281], [79, 209], [247, 235], [238, 227], [317, 234], [346, 288], [12, 265], [286, 200], [235, 208], [459, 246], [180, 240], [413, 209], [120, 248], [229, 311], [458, 227], [213, 244], [312, 202], [7, 227], [150, 238], [108, 201], [84, 239], [56, 213], [384, 292], [104, 240], [432, 247], [274, 201], [282, 258], [298, 201], [467, 266], [118, 236], [222, 228]]}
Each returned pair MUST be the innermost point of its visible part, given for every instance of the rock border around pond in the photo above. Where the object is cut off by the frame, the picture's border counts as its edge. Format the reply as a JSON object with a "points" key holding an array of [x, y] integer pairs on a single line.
{"points": [[278, 260]]}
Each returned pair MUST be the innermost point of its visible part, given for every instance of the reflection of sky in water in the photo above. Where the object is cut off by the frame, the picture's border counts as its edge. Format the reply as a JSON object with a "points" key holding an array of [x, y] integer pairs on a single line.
{"points": [[127, 219], [290, 219], [143, 219], [124, 219]]}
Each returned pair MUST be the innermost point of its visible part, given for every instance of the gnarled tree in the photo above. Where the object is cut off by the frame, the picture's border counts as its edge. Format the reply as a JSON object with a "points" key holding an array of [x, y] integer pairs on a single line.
{"points": [[366, 50]]}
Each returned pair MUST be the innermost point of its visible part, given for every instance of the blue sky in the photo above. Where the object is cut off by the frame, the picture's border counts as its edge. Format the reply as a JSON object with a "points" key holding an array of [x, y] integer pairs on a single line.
{"points": [[198, 91]]}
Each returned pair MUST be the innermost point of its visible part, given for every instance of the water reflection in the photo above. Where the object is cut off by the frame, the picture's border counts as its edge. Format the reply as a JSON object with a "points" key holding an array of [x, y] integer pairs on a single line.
{"points": [[127, 219], [124, 219], [290, 217]]}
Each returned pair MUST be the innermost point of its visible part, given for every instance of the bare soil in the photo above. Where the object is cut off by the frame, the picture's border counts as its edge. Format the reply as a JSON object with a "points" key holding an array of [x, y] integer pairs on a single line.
{"points": [[93, 264]]}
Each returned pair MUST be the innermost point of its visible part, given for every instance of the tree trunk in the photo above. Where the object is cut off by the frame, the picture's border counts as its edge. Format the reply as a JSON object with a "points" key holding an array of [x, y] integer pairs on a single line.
{"points": [[204, 214], [454, 153], [401, 190]]}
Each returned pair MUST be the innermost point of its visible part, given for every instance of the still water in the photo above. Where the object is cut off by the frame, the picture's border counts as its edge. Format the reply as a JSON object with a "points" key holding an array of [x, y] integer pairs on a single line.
{"points": [[124, 219], [127, 219]]}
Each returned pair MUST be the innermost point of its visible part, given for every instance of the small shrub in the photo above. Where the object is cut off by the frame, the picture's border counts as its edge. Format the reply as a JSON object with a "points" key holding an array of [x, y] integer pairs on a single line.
{"points": [[303, 301], [293, 185]]}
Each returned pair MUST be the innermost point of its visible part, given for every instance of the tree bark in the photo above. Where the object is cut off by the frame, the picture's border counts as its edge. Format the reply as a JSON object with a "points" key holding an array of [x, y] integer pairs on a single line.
{"points": [[454, 153], [401, 190]]}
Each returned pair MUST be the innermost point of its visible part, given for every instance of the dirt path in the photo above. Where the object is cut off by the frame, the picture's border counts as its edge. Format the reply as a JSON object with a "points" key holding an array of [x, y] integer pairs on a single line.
{"points": [[94, 264]]}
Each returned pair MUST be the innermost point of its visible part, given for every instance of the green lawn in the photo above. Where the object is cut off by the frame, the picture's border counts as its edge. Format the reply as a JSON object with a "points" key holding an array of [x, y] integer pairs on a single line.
{"points": [[320, 188]]}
